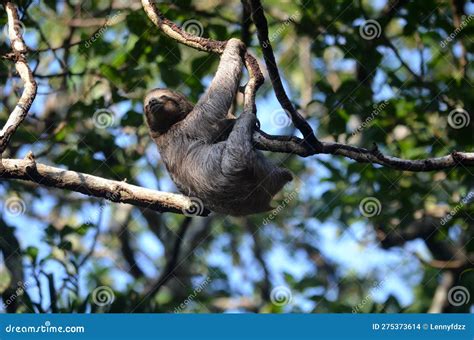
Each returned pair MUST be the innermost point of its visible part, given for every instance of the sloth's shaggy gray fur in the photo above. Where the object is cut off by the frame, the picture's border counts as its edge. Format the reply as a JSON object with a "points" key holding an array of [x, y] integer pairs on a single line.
{"points": [[208, 155]]}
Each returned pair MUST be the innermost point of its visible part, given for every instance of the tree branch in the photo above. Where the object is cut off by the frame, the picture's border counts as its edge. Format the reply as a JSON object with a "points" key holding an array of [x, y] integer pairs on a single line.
{"points": [[115, 191], [175, 32], [291, 144], [29, 92], [258, 17]]}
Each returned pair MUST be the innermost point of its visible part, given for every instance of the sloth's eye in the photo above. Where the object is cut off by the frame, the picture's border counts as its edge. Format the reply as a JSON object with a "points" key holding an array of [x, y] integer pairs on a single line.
{"points": [[166, 98]]}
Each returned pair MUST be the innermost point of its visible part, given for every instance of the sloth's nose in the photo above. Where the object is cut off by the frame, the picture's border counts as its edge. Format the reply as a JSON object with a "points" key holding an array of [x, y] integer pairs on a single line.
{"points": [[155, 101], [154, 104]]}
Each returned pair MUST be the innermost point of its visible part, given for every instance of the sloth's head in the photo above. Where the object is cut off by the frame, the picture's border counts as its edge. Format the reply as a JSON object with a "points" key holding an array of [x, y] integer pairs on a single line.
{"points": [[164, 108]]}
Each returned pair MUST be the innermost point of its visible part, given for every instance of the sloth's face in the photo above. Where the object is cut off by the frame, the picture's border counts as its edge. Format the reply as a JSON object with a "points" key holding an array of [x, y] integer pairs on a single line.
{"points": [[164, 108]]}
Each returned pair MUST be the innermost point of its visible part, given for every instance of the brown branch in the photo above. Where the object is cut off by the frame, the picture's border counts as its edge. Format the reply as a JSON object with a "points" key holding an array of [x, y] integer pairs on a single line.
{"points": [[115, 191], [63, 46], [175, 32], [440, 264], [283, 144], [29, 92], [374, 155], [295, 145], [87, 22], [258, 17]]}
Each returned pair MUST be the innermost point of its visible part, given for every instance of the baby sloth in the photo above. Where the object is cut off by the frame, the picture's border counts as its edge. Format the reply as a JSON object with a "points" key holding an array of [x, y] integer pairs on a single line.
{"points": [[208, 155]]}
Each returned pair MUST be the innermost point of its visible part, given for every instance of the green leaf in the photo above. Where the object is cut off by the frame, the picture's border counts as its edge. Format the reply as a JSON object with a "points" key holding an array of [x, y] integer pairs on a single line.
{"points": [[132, 118], [32, 252]]}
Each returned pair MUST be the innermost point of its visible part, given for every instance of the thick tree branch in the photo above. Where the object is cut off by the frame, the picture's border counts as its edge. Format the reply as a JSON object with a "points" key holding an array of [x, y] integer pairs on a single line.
{"points": [[283, 144], [19, 57], [455, 264], [115, 191]]}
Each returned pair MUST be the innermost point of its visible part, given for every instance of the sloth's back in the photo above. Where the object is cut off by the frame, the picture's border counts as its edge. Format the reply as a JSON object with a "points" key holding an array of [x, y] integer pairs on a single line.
{"points": [[198, 172]]}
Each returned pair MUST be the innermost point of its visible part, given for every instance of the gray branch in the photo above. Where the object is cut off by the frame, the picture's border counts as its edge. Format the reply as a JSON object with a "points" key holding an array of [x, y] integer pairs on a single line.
{"points": [[18, 55], [121, 192]]}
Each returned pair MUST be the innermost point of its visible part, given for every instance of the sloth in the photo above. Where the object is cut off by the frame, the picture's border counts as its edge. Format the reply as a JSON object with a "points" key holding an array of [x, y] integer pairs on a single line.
{"points": [[208, 155]]}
